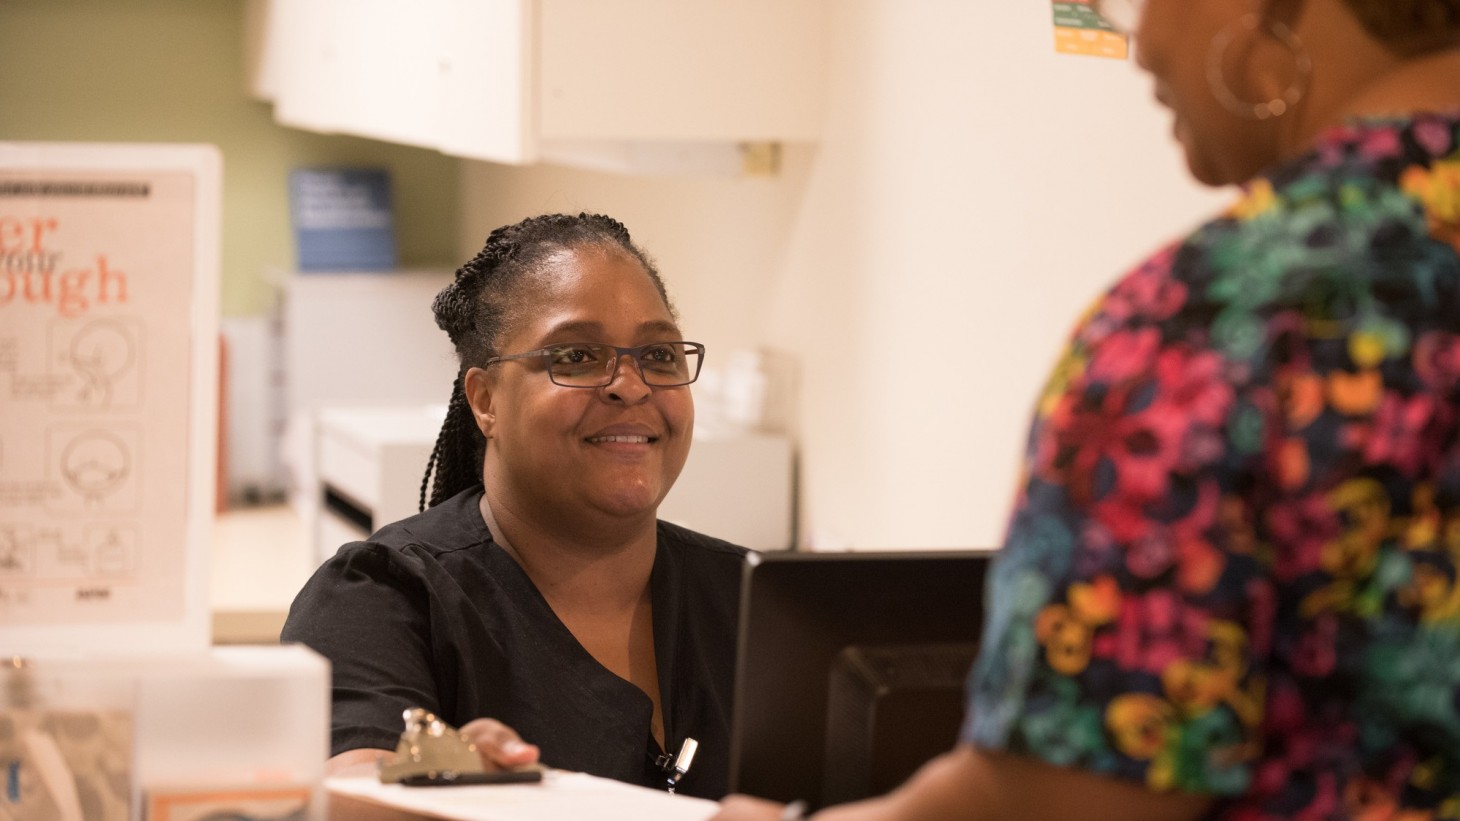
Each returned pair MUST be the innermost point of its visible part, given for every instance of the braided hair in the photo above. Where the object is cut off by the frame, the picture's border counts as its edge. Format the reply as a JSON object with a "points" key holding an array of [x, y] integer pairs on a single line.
{"points": [[489, 295]]}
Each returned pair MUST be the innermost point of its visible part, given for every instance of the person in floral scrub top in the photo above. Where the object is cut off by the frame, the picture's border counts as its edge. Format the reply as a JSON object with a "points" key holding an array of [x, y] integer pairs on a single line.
{"points": [[1230, 586]]}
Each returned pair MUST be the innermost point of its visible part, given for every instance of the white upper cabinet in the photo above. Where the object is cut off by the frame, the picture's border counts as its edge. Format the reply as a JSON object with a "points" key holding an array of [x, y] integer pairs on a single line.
{"points": [[613, 83], [485, 102]]}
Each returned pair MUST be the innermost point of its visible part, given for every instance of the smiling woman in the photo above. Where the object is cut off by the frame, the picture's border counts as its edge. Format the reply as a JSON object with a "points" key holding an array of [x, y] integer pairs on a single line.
{"points": [[538, 602]]}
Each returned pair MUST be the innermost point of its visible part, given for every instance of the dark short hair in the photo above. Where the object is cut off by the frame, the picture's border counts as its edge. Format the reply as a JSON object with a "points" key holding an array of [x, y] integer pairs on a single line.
{"points": [[1410, 26]]}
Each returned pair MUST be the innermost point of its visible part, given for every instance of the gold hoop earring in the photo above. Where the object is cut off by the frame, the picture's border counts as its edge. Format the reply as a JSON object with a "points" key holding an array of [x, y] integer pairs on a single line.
{"points": [[1278, 106]]}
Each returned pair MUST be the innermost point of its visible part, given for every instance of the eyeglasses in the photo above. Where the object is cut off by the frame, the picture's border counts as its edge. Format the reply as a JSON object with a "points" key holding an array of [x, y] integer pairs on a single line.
{"points": [[1122, 15], [591, 365]]}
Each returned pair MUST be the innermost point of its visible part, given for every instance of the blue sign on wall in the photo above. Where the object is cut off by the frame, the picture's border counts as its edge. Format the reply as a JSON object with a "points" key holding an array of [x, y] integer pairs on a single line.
{"points": [[342, 219]]}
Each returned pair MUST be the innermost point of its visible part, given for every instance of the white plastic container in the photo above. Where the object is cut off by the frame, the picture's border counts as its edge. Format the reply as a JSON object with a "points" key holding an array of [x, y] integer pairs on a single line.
{"points": [[233, 723]]}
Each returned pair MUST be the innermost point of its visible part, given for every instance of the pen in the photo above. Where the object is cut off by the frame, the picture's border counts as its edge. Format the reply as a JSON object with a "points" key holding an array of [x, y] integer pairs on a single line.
{"points": [[682, 762]]}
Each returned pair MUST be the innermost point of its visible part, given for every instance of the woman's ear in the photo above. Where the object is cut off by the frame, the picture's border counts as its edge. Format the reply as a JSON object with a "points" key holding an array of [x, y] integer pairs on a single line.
{"points": [[478, 389]]}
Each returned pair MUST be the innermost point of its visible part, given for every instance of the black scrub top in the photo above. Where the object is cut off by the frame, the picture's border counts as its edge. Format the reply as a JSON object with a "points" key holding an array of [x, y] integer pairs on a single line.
{"points": [[430, 612]]}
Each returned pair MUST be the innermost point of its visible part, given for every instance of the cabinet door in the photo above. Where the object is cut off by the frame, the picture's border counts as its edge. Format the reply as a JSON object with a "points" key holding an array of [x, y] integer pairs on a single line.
{"points": [[513, 80], [681, 70], [447, 74], [390, 59], [304, 47], [487, 80]]}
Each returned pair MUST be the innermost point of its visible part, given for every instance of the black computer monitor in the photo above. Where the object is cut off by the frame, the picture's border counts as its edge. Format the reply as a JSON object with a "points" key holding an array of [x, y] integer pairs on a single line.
{"points": [[850, 669]]}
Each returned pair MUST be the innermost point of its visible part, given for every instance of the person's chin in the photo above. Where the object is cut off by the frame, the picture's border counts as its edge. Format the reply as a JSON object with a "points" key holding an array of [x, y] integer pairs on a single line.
{"points": [[1203, 175], [630, 507], [629, 496], [1205, 162], [1201, 167]]}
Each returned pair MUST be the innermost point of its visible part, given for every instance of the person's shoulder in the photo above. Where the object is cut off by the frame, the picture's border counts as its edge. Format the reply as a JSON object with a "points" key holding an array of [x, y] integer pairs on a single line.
{"points": [[435, 533], [1352, 207], [706, 569], [699, 543], [1361, 172]]}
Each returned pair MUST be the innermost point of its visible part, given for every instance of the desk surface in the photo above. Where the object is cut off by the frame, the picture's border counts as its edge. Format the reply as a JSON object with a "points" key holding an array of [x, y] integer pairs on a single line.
{"points": [[561, 795], [261, 557]]}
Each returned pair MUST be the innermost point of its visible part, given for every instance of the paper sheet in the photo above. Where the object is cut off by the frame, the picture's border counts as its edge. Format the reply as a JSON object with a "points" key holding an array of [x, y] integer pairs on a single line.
{"points": [[561, 795]]}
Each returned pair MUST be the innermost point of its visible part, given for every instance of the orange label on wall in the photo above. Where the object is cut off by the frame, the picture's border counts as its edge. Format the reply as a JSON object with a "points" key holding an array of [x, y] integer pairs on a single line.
{"points": [[1079, 30]]}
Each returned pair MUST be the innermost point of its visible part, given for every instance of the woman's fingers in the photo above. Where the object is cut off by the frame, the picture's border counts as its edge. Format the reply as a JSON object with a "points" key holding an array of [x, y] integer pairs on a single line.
{"points": [[357, 762], [746, 808], [499, 745]]}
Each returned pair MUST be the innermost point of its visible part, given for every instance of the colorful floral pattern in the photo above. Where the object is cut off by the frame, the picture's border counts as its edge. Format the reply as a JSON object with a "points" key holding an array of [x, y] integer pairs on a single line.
{"points": [[1232, 566]]}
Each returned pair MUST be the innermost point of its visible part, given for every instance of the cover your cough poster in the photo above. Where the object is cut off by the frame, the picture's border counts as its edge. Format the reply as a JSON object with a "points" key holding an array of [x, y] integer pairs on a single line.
{"points": [[107, 345]]}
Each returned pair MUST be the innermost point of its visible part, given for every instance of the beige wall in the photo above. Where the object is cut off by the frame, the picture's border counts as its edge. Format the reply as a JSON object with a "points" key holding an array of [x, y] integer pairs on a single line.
{"points": [[972, 193], [173, 71]]}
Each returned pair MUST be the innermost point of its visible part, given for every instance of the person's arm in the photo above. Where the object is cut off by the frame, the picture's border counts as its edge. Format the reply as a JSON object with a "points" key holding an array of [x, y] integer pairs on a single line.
{"points": [[365, 612], [972, 784]]}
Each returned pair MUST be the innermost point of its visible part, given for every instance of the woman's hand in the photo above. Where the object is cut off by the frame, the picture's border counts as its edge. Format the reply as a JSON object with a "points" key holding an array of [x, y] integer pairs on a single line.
{"points": [[357, 762], [499, 745], [746, 808]]}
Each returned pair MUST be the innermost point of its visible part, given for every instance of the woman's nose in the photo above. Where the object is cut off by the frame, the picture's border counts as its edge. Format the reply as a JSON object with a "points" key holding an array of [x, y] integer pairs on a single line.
{"points": [[628, 385]]}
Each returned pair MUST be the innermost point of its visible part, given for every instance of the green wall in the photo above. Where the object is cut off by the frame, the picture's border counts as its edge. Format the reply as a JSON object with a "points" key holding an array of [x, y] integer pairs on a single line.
{"points": [[173, 71]]}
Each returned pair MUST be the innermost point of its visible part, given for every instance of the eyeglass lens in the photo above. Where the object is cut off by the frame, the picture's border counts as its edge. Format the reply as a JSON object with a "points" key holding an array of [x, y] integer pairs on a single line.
{"points": [[1122, 15], [586, 365]]}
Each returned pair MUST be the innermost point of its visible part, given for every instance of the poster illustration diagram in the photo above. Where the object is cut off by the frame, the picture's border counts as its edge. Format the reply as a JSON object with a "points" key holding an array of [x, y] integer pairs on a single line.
{"points": [[95, 469], [100, 334], [102, 358], [83, 554]]}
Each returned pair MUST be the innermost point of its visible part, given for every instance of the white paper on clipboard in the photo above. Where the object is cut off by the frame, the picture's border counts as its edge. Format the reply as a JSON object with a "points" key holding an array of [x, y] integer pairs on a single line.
{"points": [[109, 281], [561, 795]]}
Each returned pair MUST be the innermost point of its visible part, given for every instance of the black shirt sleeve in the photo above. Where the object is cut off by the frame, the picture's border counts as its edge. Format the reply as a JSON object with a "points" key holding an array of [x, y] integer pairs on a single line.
{"points": [[366, 611]]}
